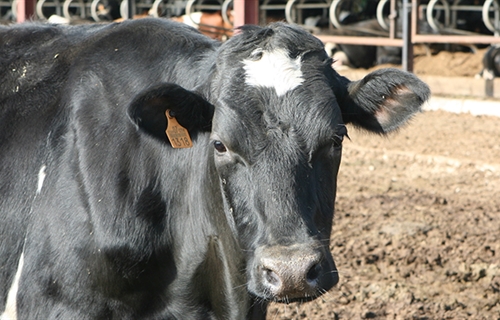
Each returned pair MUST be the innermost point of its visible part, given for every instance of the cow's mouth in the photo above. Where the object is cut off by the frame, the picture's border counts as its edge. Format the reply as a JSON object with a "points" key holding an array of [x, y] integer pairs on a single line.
{"points": [[287, 300]]}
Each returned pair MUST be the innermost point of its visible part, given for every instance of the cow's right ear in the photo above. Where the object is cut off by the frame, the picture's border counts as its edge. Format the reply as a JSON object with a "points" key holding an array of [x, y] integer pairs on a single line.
{"points": [[190, 109]]}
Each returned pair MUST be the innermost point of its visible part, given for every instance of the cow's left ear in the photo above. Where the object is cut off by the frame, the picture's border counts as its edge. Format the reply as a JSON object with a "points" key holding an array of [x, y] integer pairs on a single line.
{"points": [[383, 100], [190, 109]]}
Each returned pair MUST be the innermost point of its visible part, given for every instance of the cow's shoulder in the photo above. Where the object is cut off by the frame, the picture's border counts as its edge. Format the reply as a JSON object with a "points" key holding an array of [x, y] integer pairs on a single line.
{"points": [[35, 59], [36, 40]]}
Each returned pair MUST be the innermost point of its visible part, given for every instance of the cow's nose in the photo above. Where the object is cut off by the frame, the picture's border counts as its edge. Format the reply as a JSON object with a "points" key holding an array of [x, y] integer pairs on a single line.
{"points": [[286, 277], [289, 273]]}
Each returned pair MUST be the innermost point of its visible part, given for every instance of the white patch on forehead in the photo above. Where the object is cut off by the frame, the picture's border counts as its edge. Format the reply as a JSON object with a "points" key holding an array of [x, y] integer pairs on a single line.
{"points": [[41, 178], [10, 312], [275, 70]]}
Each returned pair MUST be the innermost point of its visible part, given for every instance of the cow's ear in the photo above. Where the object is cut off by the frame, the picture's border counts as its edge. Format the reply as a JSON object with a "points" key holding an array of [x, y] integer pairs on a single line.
{"points": [[191, 110], [383, 100]]}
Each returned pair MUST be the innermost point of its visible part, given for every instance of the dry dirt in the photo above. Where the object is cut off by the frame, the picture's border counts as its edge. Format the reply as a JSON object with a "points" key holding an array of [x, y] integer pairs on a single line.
{"points": [[449, 64], [444, 63], [416, 233]]}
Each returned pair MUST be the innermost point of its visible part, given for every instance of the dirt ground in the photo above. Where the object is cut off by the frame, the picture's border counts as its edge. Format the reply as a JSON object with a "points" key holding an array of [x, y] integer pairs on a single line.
{"points": [[444, 63], [416, 233], [448, 64]]}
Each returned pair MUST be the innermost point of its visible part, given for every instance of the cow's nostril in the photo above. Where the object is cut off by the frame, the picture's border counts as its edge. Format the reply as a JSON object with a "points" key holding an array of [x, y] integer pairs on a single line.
{"points": [[313, 273], [271, 277]]}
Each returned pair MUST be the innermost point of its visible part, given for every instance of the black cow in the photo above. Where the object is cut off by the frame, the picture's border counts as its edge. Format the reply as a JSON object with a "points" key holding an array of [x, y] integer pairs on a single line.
{"points": [[102, 218]]}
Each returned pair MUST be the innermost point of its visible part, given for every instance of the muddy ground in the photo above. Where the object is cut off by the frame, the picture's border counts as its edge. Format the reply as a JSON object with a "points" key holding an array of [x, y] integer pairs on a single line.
{"points": [[417, 228]]}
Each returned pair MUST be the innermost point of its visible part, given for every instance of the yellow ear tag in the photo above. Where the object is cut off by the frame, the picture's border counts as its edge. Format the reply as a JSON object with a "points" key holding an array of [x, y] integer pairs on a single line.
{"points": [[177, 134]]}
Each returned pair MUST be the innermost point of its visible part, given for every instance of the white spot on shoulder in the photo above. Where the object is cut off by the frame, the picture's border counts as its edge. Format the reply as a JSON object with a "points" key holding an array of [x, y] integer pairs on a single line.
{"points": [[274, 69], [10, 312], [41, 178]]}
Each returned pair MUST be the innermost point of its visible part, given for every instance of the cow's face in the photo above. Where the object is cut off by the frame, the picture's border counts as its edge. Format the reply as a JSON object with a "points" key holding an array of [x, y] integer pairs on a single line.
{"points": [[277, 131], [278, 175], [277, 135]]}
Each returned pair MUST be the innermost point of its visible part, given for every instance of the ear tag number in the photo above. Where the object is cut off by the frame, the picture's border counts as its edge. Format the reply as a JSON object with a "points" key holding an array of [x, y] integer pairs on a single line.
{"points": [[177, 134]]}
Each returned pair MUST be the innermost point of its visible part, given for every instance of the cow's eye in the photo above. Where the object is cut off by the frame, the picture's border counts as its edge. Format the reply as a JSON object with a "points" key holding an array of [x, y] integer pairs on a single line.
{"points": [[219, 146], [337, 141], [339, 137]]}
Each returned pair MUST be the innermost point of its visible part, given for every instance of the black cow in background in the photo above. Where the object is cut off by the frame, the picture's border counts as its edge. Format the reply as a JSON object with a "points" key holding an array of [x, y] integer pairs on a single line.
{"points": [[102, 218]]}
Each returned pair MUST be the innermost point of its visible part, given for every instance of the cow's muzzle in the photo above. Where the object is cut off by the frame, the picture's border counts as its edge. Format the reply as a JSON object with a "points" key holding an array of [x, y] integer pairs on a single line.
{"points": [[292, 273]]}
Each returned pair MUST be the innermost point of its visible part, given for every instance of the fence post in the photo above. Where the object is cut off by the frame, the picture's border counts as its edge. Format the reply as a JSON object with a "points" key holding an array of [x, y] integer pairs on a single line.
{"points": [[407, 51], [246, 12], [25, 10]]}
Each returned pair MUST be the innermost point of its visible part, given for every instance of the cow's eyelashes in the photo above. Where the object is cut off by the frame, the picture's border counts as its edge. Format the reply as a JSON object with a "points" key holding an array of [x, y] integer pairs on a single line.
{"points": [[338, 138], [219, 146], [337, 141]]}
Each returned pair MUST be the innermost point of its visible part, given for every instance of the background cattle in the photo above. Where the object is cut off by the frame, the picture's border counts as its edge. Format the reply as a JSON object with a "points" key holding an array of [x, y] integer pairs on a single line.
{"points": [[491, 61], [103, 218]]}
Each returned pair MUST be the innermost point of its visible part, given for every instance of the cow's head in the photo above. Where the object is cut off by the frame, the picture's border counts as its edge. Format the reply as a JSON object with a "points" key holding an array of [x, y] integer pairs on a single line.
{"points": [[277, 129]]}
